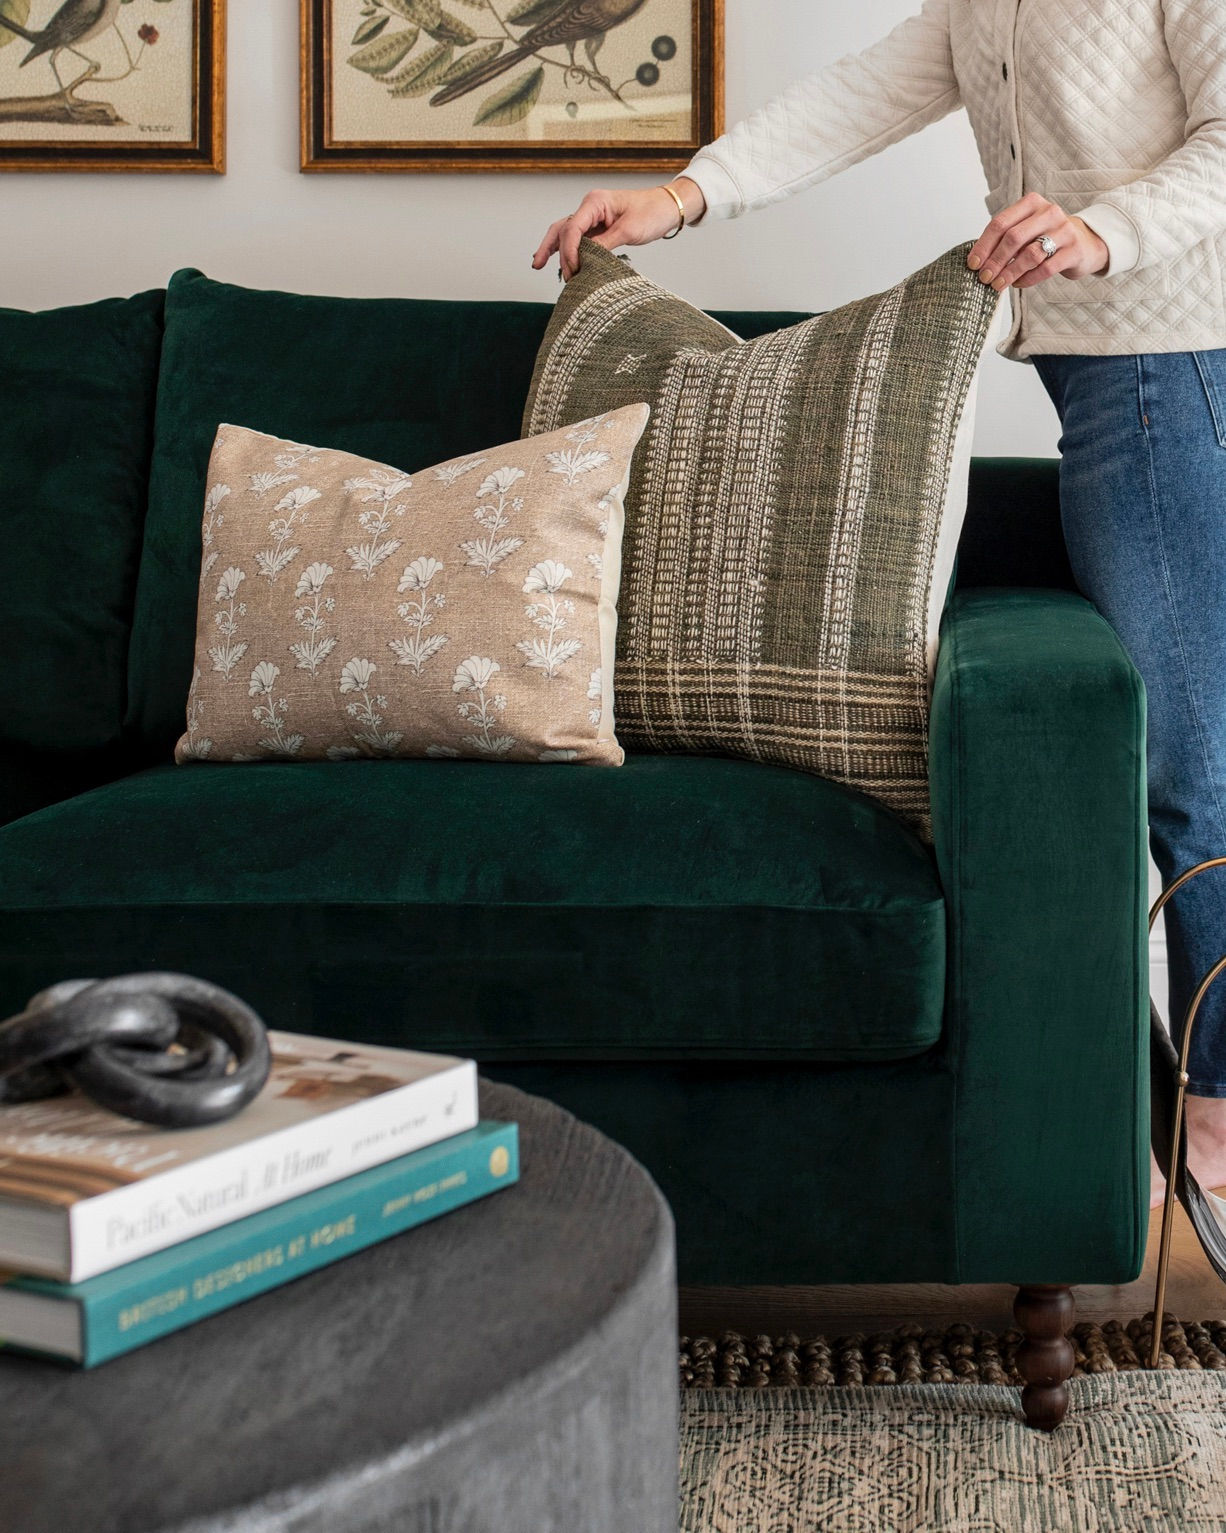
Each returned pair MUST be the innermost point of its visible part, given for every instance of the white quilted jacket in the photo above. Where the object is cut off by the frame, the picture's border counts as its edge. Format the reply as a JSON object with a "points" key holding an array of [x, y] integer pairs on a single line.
{"points": [[1115, 109]]}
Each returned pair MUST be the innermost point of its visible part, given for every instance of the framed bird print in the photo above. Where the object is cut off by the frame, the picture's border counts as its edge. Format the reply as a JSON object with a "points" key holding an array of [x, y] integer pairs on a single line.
{"points": [[509, 84], [112, 85]]}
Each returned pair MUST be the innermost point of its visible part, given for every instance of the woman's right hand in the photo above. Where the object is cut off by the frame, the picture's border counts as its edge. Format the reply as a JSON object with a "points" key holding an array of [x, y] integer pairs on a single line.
{"points": [[631, 216]]}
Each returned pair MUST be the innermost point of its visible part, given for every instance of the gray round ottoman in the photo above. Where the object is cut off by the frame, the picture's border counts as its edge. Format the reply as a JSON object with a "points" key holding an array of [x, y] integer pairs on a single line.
{"points": [[511, 1368]]}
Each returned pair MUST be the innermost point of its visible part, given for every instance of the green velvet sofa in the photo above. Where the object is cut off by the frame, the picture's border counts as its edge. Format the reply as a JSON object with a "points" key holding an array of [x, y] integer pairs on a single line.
{"points": [[845, 1056]]}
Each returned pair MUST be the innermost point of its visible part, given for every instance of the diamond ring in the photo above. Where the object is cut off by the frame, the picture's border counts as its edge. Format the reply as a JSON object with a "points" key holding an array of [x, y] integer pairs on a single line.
{"points": [[1047, 245]]}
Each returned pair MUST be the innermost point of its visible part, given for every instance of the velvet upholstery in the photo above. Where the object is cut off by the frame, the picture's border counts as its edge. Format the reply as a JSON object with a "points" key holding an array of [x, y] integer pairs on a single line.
{"points": [[750, 911], [1016, 1149], [1039, 814], [792, 1173], [669, 948], [76, 432], [1012, 534]]}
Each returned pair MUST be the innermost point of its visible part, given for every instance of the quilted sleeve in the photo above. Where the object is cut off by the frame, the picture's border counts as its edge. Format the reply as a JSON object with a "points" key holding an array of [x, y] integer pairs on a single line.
{"points": [[1182, 200], [834, 118]]}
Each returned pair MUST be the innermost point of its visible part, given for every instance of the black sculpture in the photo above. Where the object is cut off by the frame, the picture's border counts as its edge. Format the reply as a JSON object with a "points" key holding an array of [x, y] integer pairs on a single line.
{"points": [[162, 1048]]}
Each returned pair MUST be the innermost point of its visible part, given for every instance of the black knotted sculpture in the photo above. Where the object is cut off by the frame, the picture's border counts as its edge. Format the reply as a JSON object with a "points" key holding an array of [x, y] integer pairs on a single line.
{"points": [[164, 1049]]}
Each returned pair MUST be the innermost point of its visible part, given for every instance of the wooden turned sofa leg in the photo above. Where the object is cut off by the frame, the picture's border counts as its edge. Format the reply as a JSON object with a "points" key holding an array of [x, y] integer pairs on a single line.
{"points": [[1044, 1313]]}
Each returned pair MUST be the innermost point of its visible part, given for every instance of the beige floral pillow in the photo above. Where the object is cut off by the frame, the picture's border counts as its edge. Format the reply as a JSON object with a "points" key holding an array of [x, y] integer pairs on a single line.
{"points": [[348, 609]]}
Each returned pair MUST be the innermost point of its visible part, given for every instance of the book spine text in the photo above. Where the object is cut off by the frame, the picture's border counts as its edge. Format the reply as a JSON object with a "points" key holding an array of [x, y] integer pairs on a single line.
{"points": [[217, 1271], [147, 1216]]}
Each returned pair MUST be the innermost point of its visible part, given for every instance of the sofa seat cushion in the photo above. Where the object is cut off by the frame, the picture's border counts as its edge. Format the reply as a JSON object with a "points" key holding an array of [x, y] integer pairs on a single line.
{"points": [[681, 906]]}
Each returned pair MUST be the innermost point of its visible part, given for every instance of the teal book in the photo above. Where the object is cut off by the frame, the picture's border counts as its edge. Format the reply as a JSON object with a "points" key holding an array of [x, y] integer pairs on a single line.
{"points": [[104, 1316]]}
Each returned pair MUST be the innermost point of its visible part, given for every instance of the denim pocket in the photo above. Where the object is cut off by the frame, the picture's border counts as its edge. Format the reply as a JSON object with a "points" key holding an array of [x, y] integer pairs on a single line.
{"points": [[1211, 365]]}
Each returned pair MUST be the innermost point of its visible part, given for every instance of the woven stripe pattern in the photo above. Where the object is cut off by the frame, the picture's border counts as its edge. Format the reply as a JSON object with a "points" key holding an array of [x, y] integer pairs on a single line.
{"points": [[783, 515]]}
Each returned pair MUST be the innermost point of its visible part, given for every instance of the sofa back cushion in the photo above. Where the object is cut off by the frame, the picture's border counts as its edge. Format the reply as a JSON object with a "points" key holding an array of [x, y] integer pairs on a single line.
{"points": [[403, 381], [76, 429]]}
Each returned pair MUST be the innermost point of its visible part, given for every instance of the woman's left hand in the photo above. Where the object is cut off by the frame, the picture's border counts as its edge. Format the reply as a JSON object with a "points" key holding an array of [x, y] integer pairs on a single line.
{"points": [[1006, 253]]}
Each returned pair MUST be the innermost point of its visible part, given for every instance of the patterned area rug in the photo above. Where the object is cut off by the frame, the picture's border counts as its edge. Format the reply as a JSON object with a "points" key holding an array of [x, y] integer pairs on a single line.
{"points": [[781, 1435], [1139, 1451]]}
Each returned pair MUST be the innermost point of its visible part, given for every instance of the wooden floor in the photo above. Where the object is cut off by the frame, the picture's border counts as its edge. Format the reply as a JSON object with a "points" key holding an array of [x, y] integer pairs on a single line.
{"points": [[1194, 1292]]}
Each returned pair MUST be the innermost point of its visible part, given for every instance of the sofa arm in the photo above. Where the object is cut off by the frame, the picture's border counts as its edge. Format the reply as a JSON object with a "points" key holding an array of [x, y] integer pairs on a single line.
{"points": [[1037, 770]]}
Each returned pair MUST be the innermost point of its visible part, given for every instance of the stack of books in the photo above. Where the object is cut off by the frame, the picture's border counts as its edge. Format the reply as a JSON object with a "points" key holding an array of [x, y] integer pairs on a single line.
{"points": [[113, 1233]]}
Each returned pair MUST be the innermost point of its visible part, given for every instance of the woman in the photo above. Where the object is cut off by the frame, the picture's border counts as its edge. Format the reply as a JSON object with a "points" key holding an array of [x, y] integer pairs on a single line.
{"points": [[1101, 125]]}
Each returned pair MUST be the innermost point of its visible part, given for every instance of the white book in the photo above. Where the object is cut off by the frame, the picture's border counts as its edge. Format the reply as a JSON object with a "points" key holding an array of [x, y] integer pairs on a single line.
{"points": [[83, 1190]]}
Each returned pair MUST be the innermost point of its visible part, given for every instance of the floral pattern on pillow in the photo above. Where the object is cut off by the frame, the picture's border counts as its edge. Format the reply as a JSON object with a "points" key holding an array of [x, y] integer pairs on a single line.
{"points": [[350, 610]]}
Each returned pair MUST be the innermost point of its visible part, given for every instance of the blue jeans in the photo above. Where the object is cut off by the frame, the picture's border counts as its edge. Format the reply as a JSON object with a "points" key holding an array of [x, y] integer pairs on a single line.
{"points": [[1143, 502]]}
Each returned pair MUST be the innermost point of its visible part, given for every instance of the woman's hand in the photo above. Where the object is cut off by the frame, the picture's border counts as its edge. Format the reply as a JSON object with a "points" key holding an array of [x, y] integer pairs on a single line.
{"points": [[1006, 254], [634, 216]]}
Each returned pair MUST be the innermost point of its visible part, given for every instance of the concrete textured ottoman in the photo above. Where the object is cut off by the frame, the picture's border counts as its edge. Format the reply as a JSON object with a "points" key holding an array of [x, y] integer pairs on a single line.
{"points": [[511, 1368]]}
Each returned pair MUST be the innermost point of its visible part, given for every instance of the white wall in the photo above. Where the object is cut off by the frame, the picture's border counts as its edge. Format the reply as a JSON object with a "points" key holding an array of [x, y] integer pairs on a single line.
{"points": [[72, 238]]}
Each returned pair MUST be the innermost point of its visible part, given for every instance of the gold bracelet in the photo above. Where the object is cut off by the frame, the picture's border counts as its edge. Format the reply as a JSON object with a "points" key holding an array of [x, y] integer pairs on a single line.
{"points": [[680, 210]]}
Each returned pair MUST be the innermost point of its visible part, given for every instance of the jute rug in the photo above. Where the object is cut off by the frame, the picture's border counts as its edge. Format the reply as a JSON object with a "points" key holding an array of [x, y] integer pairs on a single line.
{"points": [[913, 1355], [1140, 1452]]}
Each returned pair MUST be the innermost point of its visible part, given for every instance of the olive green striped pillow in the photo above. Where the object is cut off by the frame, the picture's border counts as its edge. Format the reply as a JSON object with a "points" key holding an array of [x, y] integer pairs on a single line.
{"points": [[792, 517]]}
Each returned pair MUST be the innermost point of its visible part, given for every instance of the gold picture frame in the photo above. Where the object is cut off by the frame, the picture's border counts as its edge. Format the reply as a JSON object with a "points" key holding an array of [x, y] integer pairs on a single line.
{"points": [[567, 109], [91, 84]]}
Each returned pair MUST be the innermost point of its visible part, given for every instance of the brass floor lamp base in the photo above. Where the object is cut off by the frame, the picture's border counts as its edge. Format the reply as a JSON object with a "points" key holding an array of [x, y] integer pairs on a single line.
{"points": [[1169, 1077]]}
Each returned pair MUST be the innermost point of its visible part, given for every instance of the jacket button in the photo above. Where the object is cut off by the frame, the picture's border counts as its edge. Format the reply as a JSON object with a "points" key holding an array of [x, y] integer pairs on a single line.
{"points": [[1004, 69]]}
